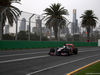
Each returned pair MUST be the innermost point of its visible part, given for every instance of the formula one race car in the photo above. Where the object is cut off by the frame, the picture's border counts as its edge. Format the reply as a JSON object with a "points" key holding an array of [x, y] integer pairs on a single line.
{"points": [[67, 49]]}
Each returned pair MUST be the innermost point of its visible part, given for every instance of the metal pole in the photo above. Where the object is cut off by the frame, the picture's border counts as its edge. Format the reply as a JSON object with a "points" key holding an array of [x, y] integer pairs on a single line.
{"points": [[2, 23], [67, 27], [16, 28], [29, 27], [41, 28], [40, 31]]}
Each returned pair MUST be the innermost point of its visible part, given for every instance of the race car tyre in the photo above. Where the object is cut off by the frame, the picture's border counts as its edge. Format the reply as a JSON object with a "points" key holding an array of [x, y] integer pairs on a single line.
{"points": [[52, 50], [68, 51], [75, 50]]}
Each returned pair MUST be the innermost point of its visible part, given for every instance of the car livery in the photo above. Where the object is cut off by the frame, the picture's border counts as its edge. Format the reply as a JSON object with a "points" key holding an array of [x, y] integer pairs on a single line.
{"points": [[67, 49]]}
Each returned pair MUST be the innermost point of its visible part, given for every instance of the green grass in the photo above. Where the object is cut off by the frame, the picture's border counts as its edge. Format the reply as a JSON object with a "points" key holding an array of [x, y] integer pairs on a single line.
{"points": [[91, 70]]}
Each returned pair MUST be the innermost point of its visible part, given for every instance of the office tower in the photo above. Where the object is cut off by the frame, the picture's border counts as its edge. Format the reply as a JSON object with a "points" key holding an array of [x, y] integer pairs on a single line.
{"points": [[23, 25], [65, 30], [38, 21], [34, 30], [74, 16], [74, 24], [6, 29]]}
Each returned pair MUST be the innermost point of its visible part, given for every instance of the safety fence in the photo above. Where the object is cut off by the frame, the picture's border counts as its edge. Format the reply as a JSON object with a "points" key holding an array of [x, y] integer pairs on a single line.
{"points": [[41, 44], [36, 30]]}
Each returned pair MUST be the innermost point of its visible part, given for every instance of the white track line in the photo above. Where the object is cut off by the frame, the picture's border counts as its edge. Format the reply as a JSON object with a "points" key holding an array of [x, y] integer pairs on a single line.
{"points": [[60, 65], [38, 53], [23, 59], [22, 54], [32, 57]]}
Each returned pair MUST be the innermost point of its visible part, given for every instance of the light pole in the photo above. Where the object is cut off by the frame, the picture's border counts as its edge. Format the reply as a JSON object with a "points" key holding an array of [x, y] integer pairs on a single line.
{"points": [[67, 27], [1, 27], [59, 30], [16, 27], [29, 27], [41, 28], [50, 27]]}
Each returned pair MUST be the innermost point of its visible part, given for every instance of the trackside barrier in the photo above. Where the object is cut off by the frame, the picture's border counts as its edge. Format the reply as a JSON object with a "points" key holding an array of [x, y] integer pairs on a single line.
{"points": [[99, 42], [40, 44]]}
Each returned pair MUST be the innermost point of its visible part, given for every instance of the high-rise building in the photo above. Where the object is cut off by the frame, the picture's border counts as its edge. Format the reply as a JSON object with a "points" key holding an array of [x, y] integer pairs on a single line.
{"points": [[34, 30], [45, 31], [6, 29], [74, 16], [74, 25], [38, 21], [28, 28], [22, 25], [65, 30]]}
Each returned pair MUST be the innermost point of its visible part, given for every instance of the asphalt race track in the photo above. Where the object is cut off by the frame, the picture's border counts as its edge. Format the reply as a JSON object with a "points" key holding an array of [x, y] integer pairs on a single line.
{"points": [[38, 62]]}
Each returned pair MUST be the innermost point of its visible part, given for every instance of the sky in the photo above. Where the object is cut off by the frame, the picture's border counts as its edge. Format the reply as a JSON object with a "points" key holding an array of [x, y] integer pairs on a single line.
{"points": [[37, 6]]}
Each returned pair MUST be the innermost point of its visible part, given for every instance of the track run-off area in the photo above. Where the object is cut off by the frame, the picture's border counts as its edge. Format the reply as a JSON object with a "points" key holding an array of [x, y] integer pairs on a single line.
{"points": [[38, 62]]}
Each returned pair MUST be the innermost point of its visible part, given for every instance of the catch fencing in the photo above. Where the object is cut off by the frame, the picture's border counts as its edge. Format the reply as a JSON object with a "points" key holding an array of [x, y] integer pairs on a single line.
{"points": [[31, 27]]}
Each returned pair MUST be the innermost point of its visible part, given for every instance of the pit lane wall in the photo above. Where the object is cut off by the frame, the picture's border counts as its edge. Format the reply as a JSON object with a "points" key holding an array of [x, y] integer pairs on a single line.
{"points": [[41, 44]]}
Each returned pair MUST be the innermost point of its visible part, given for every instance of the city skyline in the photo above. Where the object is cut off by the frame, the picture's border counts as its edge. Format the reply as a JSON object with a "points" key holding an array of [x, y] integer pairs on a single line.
{"points": [[74, 24], [38, 6]]}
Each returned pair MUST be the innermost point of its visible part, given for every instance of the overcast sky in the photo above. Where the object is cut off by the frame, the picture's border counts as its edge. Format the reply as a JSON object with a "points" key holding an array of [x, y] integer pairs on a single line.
{"points": [[37, 6]]}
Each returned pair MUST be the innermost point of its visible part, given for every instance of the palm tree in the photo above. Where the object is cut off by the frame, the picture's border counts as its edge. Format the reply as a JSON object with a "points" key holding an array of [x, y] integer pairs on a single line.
{"points": [[88, 20], [54, 16], [10, 14]]}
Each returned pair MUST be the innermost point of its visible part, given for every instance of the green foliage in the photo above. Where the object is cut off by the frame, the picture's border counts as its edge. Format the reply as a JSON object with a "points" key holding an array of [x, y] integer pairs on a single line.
{"points": [[10, 14], [7, 3], [8, 37], [34, 37], [88, 20], [22, 35], [54, 16], [44, 38]]}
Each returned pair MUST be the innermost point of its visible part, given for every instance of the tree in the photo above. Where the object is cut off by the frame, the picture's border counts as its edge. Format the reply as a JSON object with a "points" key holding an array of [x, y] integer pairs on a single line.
{"points": [[11, 13], [88, 20], [22, 35], [8, 37], [54, 16]]}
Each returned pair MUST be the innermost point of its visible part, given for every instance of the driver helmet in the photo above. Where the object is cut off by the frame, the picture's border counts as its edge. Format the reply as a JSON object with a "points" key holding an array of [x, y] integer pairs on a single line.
{"points": [[63, 46]]}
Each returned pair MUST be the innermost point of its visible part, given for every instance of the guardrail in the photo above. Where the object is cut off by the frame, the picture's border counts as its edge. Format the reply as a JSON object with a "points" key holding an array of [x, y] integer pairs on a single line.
{"points": [[40, 44]]}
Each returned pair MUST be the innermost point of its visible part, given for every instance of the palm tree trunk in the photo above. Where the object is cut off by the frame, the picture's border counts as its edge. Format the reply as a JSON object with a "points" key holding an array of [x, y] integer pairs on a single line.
{"points": [[55, 28], [88, 34]]}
